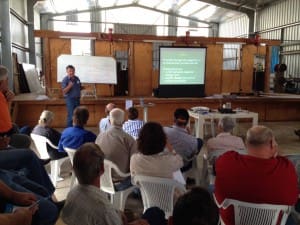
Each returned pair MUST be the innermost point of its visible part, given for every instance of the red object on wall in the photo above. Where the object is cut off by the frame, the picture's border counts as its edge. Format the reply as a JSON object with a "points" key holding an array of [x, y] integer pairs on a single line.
{"points": [[187, 35], [256, 39], [110, 34]]}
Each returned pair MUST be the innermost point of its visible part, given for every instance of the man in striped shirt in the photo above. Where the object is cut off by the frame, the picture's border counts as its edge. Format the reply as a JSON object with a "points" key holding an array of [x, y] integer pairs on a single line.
{"points": [[133, 125]]}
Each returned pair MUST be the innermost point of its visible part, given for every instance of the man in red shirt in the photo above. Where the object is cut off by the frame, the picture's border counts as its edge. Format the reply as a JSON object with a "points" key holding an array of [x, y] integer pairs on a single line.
{"points": [[258, 177], [5, 97]]}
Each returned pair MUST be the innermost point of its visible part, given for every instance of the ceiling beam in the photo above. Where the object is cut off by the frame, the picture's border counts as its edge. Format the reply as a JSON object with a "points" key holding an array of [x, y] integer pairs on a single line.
{"points": [[134, 37], [182, 4], [173, 14], [51, 15], [157, 5], [265, 5], [230, 6], [198, 10]]}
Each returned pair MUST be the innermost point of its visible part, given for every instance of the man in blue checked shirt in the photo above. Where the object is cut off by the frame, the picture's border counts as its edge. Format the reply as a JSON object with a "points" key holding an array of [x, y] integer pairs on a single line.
{"points": [[133, 125]]}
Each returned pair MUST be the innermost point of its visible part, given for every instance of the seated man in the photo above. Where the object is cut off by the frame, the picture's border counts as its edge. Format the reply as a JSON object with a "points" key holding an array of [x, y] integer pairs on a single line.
{"points": [[74, 137], [104, 123], [7, 128], [23, 172], [86, 203], [180, 138], [133, 125], [116, 144], [44, 128], [20, 216], [258, 177], [195, 207], [225, 141]]}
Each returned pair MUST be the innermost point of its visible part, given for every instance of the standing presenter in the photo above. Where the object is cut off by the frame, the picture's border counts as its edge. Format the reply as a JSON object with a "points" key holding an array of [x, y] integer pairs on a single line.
{"points": [[71, 87]]}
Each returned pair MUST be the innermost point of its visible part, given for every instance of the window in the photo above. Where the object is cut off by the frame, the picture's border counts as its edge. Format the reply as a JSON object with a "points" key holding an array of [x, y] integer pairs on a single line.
{"points": [[231, 56], [81, 47]]}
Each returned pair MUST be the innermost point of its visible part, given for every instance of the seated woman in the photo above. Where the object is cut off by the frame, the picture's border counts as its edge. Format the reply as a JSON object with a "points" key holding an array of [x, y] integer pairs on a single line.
{"points": [[153, 159], [44, 129]]}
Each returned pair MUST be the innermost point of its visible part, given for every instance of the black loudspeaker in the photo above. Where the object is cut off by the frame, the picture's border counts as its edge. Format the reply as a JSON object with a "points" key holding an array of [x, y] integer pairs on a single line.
{"points": [[258, 83], [155, 92]]}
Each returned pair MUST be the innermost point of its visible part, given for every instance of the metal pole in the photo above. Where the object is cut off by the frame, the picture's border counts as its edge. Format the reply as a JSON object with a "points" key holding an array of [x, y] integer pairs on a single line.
{"points": [[6, 40], [31, 42]]}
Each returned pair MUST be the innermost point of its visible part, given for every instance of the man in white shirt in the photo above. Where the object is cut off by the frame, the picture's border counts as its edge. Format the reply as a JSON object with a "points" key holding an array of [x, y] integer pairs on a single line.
{"points": [[86, 203], [104, 123], [225, 141], [117, 145]]}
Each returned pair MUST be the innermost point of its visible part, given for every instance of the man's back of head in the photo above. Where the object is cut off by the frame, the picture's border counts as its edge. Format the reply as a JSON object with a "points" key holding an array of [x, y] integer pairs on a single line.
{"points": [[88, 164], [116, 117], [258, 135], [195, 207], [226, 124], [260, 142], [110, 106], [3, 72], [80, 116], [181, 117], [133, 113]]}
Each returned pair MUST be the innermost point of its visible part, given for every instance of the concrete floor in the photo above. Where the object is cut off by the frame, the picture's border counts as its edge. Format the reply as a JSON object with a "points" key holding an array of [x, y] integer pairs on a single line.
{"points": [[284, 132]]}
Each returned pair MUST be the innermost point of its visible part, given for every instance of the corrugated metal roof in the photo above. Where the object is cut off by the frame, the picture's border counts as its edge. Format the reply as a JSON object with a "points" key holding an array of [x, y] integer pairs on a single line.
{"points": [[208, 11], [182, 14]]}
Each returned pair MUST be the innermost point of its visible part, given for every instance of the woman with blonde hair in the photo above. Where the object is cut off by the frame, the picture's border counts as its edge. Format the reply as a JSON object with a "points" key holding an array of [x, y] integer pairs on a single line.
{"points": [[44, 128]]}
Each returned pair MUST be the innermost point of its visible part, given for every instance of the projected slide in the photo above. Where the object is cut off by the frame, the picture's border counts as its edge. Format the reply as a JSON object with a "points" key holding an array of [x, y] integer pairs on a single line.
{"points": [[182, 66]]}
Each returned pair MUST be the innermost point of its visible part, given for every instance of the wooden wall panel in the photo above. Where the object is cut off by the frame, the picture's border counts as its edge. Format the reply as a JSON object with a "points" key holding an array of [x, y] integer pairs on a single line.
{"points": [[247, 67], [283, 111], [141, 77], [214, 64], [28, 114], [268, 108], [60, 114], [248, 53], [155, 78], [106, 48], [142, 61], [57, 47], [230, 81]]}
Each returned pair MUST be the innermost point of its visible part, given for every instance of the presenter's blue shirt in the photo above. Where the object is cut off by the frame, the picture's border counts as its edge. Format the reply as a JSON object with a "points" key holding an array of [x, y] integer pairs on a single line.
{"points": [[74, 137], [74, 92]]}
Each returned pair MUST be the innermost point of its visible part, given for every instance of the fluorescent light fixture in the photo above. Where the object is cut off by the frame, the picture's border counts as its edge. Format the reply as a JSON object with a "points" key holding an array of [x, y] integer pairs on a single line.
{"points": [[78, 37]]}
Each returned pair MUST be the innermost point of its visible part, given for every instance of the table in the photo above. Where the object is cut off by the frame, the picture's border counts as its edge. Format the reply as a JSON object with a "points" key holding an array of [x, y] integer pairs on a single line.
{"points": [[201, 117]]}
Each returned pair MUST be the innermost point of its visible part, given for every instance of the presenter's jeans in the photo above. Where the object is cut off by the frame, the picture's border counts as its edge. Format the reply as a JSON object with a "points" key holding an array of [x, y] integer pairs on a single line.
{"points": [[71, 103]]}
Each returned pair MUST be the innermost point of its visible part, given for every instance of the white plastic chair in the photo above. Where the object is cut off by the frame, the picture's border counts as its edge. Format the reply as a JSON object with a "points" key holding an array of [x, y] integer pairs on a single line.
{"points": [[71, 153], [117, 198], [157, 191], [208, 163], [193, 172], [209, 160], [246, 213], [41, 146], [295, 159]]}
